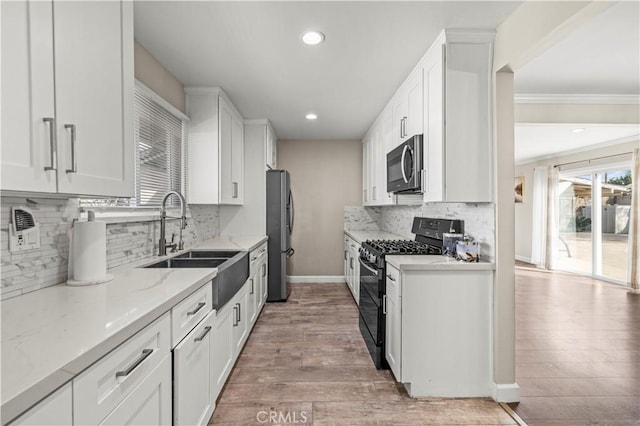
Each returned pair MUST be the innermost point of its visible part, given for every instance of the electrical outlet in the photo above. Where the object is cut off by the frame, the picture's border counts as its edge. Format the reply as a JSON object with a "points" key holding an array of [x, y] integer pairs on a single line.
{"points": [[24, 231]]}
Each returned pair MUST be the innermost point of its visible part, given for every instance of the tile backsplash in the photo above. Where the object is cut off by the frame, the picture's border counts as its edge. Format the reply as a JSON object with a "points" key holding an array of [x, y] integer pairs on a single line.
{"points": [[127, 241], [479, 220], [362, 218]]}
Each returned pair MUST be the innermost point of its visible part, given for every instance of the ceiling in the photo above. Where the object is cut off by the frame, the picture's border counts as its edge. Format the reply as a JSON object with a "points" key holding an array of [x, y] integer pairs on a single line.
{"points": [[539, 141], [252, 50], [601, 57]]}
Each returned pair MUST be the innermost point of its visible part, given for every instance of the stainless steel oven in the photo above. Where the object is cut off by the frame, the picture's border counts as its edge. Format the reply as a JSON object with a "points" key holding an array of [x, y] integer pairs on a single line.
{"points": [[372, 316], [404, 167]]}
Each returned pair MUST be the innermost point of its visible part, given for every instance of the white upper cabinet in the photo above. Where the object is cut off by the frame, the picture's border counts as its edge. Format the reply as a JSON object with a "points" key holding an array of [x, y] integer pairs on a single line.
{"points": [[271, 148], [457, 143], [67, 70], [407, 108], [447, 99], [375, 145], [216, 148]]}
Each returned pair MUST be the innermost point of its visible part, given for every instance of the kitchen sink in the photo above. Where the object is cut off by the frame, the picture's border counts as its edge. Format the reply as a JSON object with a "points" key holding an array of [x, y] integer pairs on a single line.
{"points": [[233, 270], [212, 254], [188, 263]]}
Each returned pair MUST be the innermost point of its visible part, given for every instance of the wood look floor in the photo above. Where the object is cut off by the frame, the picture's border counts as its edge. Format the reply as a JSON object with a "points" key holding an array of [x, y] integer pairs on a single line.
{"points": [[307, 363], [577, 350]]}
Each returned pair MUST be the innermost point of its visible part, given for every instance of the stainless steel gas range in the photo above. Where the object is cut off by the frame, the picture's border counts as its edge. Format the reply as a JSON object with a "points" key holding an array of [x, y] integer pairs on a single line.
{"points": [[428, 241]]}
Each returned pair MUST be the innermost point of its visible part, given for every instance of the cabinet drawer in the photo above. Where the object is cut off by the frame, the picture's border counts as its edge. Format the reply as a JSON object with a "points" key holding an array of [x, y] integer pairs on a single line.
{"points": [[188, 313], [99, 389], [255, 258]]}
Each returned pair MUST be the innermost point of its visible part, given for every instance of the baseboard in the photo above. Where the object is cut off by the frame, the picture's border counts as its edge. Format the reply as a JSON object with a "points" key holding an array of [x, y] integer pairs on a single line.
{"points": [[523, 259], [506, 392], [320, 279]]}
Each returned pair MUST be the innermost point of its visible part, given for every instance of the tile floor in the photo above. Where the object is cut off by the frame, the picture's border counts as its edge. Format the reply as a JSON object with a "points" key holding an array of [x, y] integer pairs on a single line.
{"points": [[305, 363], [577, 350]]}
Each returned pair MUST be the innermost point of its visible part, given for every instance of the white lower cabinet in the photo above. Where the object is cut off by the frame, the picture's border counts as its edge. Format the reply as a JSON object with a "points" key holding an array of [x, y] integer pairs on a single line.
{"points": [[134, 385], [352, 265], [393, 329], [193, 397], [222, 347], [241, 325], [149, 403], [438, 331], [102, 389], [53, 410]]}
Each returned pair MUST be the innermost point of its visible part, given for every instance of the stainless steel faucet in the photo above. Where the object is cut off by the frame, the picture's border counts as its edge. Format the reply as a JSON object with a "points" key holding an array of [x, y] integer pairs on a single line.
{"points": [[162, 244]]}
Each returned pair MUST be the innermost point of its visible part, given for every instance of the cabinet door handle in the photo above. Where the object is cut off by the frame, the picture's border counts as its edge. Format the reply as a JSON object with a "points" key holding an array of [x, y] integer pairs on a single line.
{"points": [[345, 255], [391, 278], [74, 159], [251, 286], [374, 193], [145, 354], [206, 331], [235, 189], [195, 311], [264, 270], [253, 259], [384, 304], [235, 315], [351, 262], [53, 143]]}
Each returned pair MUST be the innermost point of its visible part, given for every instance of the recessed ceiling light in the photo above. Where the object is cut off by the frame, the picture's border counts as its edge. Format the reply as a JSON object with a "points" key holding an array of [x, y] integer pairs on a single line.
{"points": [[578, 130], [311, 116], [312, 38]]}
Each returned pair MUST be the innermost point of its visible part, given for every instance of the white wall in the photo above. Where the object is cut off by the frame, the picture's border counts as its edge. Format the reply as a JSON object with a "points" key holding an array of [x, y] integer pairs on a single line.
{"points": [[524, 210]]}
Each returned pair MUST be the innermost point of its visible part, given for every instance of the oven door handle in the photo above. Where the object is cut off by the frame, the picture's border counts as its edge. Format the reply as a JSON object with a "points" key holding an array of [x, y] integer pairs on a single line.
{"points": [[373, 271]]}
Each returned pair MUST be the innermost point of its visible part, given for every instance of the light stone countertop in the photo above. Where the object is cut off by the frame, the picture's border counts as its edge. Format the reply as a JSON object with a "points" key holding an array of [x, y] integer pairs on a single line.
{"points": [[51, 335], [436, 263], [361, 236]]}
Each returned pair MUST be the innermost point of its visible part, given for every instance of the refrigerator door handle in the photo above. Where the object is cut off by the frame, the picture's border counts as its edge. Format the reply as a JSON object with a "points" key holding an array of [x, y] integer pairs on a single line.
{"points": [[293, 212]]}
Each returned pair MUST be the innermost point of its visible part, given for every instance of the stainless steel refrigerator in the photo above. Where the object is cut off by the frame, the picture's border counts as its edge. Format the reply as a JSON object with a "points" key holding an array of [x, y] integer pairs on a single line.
{"points": [[280, 219]]}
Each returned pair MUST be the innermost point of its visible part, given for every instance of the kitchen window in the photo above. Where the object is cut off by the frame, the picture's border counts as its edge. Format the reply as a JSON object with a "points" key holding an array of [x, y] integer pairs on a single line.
{"points": [[160, 141]]}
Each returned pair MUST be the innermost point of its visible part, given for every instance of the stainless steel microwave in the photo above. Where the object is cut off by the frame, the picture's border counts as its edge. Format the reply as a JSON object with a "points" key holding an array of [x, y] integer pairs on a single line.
{"points": [[404, 167]]}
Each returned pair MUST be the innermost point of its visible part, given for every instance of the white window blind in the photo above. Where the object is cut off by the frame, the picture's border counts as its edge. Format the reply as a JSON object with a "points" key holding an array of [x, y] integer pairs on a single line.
{"points": [[160, 155], [159, 137]]}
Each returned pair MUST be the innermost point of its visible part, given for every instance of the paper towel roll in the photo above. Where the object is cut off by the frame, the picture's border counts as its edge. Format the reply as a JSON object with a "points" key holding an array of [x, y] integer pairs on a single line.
{"points": [[88, 252]]}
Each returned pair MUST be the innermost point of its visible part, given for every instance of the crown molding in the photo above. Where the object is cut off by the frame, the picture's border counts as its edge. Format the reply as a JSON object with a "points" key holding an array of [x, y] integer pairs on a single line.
{"points": [[578, 150], [593, 99]]}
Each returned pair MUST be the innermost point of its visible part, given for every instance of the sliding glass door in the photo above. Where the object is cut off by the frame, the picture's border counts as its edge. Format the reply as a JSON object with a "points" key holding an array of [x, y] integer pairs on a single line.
{"points": [[574, 248], [616, 214], [593, 207]]}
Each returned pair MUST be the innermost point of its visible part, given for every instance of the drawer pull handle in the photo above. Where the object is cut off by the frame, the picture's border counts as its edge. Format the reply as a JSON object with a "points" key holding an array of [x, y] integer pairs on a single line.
{"points": [[390, 277], [253, 259], [206, 331], [145, 354], [195, 311]]}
